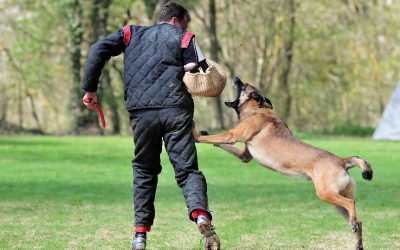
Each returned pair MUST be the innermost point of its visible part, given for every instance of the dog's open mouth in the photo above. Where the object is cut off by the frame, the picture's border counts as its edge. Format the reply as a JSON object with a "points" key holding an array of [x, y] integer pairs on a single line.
{"points": [[237, 85]]}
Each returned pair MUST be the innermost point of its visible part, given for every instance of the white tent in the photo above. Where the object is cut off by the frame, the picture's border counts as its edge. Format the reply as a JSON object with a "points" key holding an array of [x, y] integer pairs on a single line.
{"points": [[389, 125]]}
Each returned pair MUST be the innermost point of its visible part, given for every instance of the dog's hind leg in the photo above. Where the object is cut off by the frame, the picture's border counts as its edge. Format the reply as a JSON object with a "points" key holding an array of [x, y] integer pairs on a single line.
{"points": [[242, 153], [342, 211], [344, 202], [347, 192], [356, 224], [339, 201]]}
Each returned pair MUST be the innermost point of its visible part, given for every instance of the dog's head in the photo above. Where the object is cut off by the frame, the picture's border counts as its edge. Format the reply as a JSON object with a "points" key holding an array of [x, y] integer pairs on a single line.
{"points": [[245, 93]]}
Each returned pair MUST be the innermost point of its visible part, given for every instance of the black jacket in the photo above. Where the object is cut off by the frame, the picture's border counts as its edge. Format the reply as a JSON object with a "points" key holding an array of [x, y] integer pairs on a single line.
{"points": [[153, 66]]}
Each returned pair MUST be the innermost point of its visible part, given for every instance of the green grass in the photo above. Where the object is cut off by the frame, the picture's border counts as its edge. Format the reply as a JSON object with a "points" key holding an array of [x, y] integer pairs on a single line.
{"points": [[76, 193]]}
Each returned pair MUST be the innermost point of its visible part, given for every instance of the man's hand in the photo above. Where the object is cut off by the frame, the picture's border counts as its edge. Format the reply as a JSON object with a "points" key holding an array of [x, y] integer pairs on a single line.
{"points": [[92, 97]]}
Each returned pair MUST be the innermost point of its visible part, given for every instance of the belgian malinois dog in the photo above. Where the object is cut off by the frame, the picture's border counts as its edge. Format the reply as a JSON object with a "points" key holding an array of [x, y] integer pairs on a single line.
{"points": [[269, 141]]}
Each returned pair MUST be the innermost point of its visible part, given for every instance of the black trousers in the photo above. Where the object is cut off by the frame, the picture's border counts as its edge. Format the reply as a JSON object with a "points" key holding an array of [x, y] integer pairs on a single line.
{"points": [[173, 125]]}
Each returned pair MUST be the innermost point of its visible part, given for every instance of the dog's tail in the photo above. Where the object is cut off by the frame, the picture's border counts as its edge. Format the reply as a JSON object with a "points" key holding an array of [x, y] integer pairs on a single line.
{"points": [[367, 172]]}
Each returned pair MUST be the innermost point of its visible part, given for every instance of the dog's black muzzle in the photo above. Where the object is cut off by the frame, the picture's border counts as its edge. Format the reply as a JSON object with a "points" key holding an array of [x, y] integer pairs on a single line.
{"points": [[239, 86]]}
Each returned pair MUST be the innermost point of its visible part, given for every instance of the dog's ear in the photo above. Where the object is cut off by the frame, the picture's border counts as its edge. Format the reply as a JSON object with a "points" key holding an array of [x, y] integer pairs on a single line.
{"points": [[267, 102], [262, 100], [255, 96]]}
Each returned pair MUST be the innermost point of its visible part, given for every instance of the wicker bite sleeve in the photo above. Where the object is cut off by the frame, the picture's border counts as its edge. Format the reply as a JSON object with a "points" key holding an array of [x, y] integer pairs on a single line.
{"points": [[210, 83]]}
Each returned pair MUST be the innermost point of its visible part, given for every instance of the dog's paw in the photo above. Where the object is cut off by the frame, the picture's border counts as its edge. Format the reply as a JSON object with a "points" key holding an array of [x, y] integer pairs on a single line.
{"points": [[203, 132]]}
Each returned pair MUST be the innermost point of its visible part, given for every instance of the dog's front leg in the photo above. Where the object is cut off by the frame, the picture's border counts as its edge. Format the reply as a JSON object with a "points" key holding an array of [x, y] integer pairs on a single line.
{"points": [[242, 132], [242, 153], [222, 138]]}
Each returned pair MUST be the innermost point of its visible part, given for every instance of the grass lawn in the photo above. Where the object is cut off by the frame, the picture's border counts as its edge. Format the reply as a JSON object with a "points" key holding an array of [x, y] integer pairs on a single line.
{"points": [[76, 193]]}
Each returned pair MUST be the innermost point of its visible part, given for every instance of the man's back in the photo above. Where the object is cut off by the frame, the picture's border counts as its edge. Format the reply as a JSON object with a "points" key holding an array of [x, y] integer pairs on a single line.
{"points": [[154, 68]]}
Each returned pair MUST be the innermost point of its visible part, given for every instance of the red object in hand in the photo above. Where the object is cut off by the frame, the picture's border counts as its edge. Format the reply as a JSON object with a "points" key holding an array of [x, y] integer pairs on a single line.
{"points": [[98, 109]]}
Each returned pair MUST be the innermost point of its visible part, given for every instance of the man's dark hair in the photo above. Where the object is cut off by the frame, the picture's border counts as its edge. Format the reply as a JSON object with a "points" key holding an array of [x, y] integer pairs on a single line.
{"points": [[170, 10]]}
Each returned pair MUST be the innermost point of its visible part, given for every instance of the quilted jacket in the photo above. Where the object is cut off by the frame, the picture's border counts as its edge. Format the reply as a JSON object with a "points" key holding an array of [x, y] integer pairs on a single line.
{"points": [[153, 65]]}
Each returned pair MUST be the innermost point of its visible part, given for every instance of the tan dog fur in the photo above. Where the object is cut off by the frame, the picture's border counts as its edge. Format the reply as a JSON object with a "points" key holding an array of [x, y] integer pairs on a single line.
{"points": [[269, 141]]}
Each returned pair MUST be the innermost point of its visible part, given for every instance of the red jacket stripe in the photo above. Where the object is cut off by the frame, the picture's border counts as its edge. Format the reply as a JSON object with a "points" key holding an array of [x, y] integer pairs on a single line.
{"points": [[127, 34], [186, 39]]}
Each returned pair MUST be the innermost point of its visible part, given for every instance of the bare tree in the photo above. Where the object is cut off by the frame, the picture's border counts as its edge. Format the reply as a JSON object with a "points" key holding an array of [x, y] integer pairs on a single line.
{"points": [[20, 87], [83, 120], [99, 20], [288, 50], [215, 48]]}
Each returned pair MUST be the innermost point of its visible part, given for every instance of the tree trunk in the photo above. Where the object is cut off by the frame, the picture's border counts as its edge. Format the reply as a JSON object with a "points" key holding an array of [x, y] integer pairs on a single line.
{"points": [[34, 113], [20, 111], [99, 25], [289, 59], [152, 8], [84, 121], [4, 108], [20, 88], [214, 56]]}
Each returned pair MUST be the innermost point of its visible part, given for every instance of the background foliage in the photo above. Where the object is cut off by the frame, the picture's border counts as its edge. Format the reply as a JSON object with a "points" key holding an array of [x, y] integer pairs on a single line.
{"points": [[326, 65]]}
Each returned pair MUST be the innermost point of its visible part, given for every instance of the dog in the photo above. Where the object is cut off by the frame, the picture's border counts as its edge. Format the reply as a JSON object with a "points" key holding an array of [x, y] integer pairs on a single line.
{"points": [[269, 141]]}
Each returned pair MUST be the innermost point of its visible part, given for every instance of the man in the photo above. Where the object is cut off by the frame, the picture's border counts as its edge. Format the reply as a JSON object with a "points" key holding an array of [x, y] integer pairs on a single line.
{"points": [[160, 108]]}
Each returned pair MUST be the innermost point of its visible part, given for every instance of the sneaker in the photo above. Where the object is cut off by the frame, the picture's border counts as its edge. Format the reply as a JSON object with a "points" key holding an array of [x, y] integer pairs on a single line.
{"points": [[139, 243], [207, 231]]}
